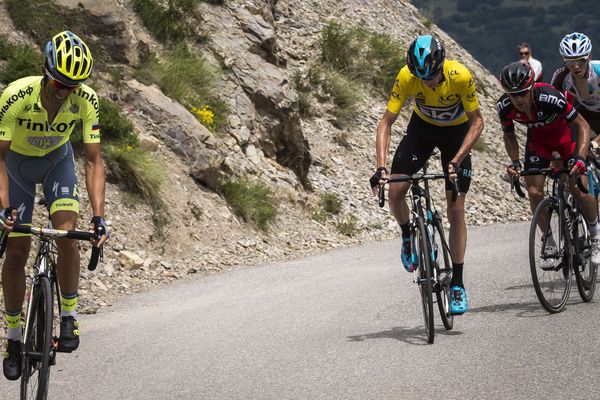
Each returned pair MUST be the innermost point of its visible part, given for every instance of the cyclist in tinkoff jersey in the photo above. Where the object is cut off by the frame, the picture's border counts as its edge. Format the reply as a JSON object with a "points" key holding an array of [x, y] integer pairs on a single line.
{"points": [[37, 116], [548, 117], [580, 77], [445, 115]]}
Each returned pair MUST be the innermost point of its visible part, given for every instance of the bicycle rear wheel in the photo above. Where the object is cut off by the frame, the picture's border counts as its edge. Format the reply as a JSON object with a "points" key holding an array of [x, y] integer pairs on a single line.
{"points": [[37, 343], [443, 269], [586, 273], [550, 265], [424, 278]]}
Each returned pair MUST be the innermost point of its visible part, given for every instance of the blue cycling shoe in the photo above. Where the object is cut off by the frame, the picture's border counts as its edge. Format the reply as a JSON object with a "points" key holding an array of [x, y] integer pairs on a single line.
{"points": [[408, 260], [458, 301]]}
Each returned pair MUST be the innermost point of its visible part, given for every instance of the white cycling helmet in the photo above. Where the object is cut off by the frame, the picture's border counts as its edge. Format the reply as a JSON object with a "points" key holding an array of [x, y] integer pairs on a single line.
{"points": [[575, 45]]}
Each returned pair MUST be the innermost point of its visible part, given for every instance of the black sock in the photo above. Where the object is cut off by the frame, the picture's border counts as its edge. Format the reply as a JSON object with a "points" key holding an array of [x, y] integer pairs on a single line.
{"points": [[457, 275], [405, 229]]}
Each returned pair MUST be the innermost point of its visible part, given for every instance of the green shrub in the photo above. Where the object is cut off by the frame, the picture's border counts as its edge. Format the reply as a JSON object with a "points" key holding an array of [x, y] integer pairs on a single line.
{"points": [[331, 203], [370, 58], [253, 201], [138, 170], [345, 93], [427, 23], [166, 23], [480, 144], [349, 226], [187, 78], [115, 127], [21, 61], [41, 18]]}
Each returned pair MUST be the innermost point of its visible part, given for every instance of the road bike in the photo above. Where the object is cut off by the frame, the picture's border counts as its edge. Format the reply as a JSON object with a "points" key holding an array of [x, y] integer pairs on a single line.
{"points": [[560, 245], [434, 266], [40, 343]]}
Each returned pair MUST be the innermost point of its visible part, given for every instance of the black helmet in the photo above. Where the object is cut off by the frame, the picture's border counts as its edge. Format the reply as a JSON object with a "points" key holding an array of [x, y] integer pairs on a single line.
{"points": [[517, 77], [425, 56]]}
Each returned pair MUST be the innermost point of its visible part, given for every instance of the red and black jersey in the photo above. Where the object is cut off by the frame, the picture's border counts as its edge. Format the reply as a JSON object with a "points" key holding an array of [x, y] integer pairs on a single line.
{"points": [[552, 111]]}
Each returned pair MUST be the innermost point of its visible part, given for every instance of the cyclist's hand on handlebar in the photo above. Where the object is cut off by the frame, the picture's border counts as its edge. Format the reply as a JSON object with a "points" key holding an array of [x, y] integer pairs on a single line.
{"points": [[514, 168], [378, 178], [577, 165], [453, 170], [8, 216], [595, 148], [100, 229]]}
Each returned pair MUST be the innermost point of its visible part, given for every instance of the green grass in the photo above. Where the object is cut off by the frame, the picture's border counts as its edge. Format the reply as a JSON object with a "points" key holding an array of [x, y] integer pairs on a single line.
{"points": [[139, 172], [21, 61], [331, 203], [42, 19], [349, 226], [366, 57], [184, 76], [480, 144], [254, 202], [168, 23], [115, 127], [427, 23]]}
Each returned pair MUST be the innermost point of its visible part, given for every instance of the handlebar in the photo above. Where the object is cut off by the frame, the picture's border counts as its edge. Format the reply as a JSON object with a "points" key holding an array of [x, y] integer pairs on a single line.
{"points": [[415, 178], [43, 233], [554, 172]]}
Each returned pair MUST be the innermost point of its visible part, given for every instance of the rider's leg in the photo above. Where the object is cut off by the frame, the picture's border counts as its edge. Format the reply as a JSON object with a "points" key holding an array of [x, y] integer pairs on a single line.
{"points": [[411, 154], [67, 268], [535, 191], [13, 281], [589, 208]]}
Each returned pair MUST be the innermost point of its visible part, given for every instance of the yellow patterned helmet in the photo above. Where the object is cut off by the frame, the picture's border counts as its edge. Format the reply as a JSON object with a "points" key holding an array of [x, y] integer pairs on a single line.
{"points": [[68, 58]]}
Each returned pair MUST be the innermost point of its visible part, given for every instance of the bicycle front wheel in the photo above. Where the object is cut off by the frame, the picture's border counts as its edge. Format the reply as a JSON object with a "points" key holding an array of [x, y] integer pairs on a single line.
{"points": [[37, 343], [443, 268], [423, 251], [549, 258]]}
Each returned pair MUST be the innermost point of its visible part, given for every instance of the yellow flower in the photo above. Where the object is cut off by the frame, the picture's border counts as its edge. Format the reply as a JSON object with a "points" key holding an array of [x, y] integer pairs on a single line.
{"points": [[129, 147], [205, 115]]}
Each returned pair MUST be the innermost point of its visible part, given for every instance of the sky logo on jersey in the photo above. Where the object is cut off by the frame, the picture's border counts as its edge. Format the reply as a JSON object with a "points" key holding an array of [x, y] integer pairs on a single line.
{"points": [[441, 114]]}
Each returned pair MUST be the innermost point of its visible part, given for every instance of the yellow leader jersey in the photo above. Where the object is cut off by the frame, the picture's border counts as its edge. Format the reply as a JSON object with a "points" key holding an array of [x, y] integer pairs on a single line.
{"points": [[447, 104]]}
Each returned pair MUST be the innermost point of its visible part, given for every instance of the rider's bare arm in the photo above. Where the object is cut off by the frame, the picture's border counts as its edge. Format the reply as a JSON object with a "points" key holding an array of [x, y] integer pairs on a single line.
{"points": [[583, 135], [511, 145], [384, 133], [474, 132]]}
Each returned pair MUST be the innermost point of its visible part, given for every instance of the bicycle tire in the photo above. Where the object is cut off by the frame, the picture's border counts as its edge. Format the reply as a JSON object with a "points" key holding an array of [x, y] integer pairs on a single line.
{"points": [[586, 273], [551, 274], [442, 265], [37, 345], [425, 281]]}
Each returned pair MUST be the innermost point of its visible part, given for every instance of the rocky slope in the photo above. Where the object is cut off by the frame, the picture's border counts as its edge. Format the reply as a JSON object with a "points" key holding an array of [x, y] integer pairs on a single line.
{"points": [[262, 43]]}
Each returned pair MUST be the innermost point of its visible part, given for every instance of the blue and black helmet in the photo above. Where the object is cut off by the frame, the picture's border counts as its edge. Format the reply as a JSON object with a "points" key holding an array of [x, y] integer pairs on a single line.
{"points": [[425, 56]]}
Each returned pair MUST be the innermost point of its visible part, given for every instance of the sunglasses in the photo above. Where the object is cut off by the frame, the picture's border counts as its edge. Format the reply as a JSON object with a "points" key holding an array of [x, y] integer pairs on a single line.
{"points": [[518, 94], [576, 61], [55, 83], [524, 53], [431, 77]]}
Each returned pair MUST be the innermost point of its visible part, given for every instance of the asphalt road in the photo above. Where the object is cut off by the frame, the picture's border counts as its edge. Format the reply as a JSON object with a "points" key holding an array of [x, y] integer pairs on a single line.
{"points": [[345, 324]]}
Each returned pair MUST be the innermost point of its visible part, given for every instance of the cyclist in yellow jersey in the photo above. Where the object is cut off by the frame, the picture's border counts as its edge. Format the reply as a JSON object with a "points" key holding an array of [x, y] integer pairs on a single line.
{"points": [[445, 115], [37, 116]]}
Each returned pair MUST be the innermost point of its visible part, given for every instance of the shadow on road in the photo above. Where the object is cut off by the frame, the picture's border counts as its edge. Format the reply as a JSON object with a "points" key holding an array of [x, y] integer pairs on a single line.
{"points": [[526, 310], [414, 336]]}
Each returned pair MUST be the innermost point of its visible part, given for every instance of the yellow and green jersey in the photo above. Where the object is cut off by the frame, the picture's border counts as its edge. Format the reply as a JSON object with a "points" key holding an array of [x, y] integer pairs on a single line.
{"points": [[24, 121], [447, 104]]}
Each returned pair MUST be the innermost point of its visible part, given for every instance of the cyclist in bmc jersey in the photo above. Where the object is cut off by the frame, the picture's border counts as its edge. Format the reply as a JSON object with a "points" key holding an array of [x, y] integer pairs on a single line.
{"points": [[549, 118], [580, 77], [37, 116], [445, 115]]}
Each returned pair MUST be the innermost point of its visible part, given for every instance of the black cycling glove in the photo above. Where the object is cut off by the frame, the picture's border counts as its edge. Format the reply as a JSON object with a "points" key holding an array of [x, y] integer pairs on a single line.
{"points": [[374, 181], [100, 227]]}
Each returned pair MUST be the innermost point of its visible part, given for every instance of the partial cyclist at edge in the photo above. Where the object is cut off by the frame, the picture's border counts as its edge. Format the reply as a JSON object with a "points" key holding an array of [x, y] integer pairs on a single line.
{"points": [[549, 118], [580, 77], [37, 117], [445, 115]]}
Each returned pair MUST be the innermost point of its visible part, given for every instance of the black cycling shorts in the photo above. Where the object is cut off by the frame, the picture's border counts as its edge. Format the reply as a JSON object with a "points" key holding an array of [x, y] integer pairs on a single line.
{"points": [[420, 140]]}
